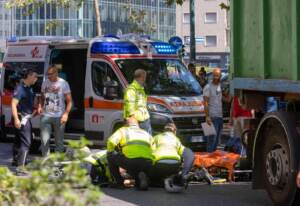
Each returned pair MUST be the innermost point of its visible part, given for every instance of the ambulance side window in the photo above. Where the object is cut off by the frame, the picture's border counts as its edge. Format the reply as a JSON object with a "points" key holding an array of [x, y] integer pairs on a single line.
{"points": [[101, 73], [12, 75]]}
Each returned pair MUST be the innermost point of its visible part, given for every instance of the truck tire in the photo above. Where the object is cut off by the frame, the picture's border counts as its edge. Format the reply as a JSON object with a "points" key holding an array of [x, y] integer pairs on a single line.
{"points": [[277, 163]]}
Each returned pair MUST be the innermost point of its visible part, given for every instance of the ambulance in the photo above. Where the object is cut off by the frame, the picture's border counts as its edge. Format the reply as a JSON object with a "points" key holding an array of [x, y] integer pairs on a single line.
{"points": [[98, 70]]}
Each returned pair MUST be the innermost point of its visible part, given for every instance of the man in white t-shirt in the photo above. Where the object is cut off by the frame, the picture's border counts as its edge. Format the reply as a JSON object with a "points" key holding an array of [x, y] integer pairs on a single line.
{"points": [[54, 107], [213, 98]]}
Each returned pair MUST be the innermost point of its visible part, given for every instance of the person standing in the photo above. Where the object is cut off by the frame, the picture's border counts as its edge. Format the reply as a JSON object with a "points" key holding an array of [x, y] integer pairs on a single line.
{"points": [[192, 69], [55, 106], [202, 77], [135, 101], [22, 106], [213, 109], [239, 120]]}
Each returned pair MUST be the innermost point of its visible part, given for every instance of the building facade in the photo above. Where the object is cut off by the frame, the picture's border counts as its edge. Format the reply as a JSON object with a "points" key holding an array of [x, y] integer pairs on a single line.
{"points": [[211, 31], [50, 20]]}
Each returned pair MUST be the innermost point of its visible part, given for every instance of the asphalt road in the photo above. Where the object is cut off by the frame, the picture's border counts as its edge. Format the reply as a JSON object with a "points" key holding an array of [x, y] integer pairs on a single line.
{"points": [[198, 195], [233, 194]]}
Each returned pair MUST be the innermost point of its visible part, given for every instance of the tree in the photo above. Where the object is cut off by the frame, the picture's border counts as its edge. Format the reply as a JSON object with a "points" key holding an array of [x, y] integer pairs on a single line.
{"points": [[33, 5], [224, 6], [48, 185], [98, 18], [137, 20], [169, 2]]}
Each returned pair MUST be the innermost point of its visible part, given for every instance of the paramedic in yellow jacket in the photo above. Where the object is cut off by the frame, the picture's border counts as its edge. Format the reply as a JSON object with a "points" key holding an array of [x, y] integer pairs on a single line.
{"points": [[168, 156], [130, 148], [135, 101]]}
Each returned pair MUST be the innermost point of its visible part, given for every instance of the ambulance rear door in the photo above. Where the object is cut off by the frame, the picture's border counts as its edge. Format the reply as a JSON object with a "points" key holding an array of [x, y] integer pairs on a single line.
{"points": [[19, 56]]}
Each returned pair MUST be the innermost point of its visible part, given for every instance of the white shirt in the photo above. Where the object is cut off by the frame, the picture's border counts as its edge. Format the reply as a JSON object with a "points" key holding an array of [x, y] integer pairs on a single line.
{"points": [[214, 93], [54, 93]]}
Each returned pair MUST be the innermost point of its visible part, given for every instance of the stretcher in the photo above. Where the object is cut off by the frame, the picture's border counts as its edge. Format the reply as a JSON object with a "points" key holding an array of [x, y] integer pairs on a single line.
{"points": [[217, 159]]}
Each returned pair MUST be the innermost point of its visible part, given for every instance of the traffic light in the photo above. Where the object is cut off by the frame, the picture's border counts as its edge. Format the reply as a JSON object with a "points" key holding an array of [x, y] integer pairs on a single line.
{"points": [[181, 52]]}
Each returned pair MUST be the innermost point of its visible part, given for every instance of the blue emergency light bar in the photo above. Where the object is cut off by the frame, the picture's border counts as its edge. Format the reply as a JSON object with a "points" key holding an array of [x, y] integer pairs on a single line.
{"points": [[164, 48], [114, 48]]}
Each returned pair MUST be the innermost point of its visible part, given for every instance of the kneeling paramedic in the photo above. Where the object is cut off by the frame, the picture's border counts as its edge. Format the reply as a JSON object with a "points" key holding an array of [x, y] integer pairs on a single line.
{"points": [[99, 173], [130, 148], [168, 155]]}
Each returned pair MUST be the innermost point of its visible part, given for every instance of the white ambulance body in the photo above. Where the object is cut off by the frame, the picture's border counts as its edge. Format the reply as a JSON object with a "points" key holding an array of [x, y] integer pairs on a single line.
{"points": [[98, 71]]}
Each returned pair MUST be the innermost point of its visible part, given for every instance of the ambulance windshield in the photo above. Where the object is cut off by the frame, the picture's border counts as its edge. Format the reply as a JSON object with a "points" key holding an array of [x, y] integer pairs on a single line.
{"points": [[164, 76]]}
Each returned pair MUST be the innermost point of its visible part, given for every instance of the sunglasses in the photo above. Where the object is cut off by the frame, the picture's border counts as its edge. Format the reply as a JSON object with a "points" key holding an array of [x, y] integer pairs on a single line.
{"points": [[50, 74]]}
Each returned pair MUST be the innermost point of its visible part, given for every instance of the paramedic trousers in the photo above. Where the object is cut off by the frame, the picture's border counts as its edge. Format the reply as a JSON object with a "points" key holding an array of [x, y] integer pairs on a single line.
{"points": [[47, 123], [165, 168], [213, 140], [132, 166], [188, 161], [22, 143], [146, 125]]}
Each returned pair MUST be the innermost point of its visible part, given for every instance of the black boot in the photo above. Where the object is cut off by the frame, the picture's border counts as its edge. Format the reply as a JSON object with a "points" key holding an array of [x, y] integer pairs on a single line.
{"points": [[142, 183]]}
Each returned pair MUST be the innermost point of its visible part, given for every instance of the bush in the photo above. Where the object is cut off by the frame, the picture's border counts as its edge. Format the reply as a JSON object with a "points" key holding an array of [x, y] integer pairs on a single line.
{"points": [[71, 186]]}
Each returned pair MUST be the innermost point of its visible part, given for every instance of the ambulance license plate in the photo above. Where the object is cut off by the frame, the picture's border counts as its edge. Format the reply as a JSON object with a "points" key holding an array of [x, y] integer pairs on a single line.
{"points": [[197, 139]]}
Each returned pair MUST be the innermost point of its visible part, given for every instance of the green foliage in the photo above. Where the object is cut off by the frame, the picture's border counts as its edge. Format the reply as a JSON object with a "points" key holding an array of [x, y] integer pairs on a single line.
{"points": [[43, 188], [170, 2], [38, 3], [137, 20], [32, 5], [224, 6]]}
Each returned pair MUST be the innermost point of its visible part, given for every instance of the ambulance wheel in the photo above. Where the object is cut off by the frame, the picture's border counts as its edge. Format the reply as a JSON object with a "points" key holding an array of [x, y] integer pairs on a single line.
{"points": [[277, 163]]}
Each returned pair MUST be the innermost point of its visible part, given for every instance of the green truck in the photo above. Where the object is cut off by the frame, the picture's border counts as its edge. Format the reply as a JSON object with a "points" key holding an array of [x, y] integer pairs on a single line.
{"points": [[265, 63]]}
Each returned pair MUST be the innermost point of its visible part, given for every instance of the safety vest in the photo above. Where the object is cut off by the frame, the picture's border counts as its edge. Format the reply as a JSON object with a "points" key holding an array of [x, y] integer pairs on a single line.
{"points": [[135, 102], [132, 141], [166, 146]]}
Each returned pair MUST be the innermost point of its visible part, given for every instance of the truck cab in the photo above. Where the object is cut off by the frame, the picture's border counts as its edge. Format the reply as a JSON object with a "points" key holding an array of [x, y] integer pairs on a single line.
{"points": [[98, 71]]}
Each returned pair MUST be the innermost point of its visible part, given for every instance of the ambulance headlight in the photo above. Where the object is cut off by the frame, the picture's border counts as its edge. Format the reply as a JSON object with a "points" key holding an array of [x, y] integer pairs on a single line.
{"points": [[158, 108]]}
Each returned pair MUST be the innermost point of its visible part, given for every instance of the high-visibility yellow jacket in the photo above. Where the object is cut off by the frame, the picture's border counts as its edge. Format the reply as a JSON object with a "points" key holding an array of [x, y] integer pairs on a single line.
{"points": [[132, 141], [135, 102], [99, 159], [167, 146]]}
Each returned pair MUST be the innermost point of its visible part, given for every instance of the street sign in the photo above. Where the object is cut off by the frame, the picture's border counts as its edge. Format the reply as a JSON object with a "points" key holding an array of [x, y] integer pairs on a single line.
{"points": [[176, 41]]}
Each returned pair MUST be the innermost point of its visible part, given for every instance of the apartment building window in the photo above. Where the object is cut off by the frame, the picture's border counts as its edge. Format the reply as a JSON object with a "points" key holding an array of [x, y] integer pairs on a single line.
{"points": [[186, 40], [211, 18], [186, 18], [211, 41]]}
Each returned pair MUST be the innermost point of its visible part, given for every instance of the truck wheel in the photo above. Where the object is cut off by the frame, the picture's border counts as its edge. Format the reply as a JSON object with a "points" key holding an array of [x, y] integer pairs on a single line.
{"points": [[280, 182]]}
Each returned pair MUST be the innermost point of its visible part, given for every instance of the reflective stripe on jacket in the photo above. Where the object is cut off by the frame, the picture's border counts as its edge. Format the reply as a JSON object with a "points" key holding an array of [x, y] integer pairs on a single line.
{"points": [[132, 141]]}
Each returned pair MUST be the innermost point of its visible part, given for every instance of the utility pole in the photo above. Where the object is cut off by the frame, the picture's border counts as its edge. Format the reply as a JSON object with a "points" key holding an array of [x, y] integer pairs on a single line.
{"points": [[192, 32]]}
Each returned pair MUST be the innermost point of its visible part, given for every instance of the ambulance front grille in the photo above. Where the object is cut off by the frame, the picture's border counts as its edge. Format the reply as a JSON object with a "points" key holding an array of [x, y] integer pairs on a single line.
{"points": [[184, 123]]}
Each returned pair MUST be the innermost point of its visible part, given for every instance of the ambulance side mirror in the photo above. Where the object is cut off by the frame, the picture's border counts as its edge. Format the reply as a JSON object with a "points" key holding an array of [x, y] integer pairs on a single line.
{"points": [[110, 90]]}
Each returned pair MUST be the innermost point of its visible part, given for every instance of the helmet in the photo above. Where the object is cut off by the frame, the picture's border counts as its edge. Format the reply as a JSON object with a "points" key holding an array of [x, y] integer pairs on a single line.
{"points": [[171, 187]]}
